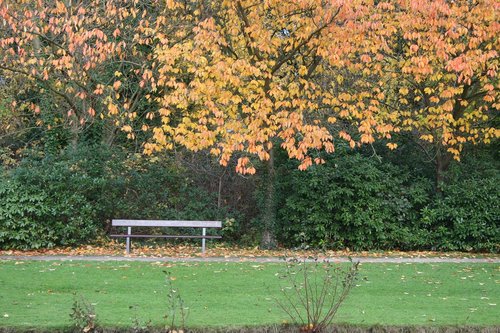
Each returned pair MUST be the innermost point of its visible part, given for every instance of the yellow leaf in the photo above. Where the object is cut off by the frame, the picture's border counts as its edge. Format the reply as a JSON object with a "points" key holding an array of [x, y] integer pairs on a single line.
{"points": [[127, 128], [392, 146], [427, 137], [112, 108], [434, 99], [60, 7]]}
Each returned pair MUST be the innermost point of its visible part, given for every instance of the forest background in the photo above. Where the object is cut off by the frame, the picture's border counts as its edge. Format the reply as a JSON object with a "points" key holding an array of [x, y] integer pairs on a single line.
{"points": [[326, 124]]}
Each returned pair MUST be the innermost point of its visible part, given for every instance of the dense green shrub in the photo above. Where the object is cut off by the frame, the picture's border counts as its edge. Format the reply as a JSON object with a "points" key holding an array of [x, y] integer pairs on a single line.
{"points": [[467, 217], [360, 202], [352, 201], [48, 202], [19, 210], [36, 217], [70, 198]]}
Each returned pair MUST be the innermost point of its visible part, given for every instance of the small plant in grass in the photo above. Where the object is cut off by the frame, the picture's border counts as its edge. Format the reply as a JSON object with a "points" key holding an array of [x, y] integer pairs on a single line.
{"points": [[84, 316], [139, 326], [177, 311], [313, 291]]}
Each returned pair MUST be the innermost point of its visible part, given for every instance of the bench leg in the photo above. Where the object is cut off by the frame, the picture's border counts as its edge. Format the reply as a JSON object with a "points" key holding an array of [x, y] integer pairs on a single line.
{"points": [[129, 232], [204, 233]]}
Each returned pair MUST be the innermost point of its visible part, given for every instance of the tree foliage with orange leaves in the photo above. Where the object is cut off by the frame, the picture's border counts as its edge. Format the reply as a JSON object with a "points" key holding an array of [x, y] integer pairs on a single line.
{"points": [[242, 76], [437, 66], [257, 73], [88, 58], [254, 73]]}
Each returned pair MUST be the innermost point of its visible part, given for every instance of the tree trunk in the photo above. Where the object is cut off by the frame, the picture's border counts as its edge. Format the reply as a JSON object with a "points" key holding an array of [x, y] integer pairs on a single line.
{"points": [[219, 189], [268, 240], [109, 132], [443, 160], [74, 130]]}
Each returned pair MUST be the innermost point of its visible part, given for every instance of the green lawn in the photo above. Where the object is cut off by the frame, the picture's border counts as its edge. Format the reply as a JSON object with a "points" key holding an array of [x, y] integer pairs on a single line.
{"points": [[41, 294]]}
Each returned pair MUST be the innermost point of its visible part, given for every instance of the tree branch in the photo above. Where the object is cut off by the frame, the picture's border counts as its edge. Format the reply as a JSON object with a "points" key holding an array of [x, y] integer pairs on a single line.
{"points": [[242, 15], [292, 53], [42, 81]]}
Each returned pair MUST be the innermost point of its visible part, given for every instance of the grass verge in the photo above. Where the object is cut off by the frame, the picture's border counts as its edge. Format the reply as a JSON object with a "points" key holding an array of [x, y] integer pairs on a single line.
{"points": [[435, 296], [341, 328]]}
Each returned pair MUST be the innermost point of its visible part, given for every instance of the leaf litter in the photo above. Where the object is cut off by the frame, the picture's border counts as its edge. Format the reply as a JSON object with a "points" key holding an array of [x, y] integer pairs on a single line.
{"points": [[116, 248]]}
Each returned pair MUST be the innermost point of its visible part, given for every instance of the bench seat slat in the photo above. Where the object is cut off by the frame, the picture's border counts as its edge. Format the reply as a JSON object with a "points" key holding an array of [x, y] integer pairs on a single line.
{"points": [[165, 223], [166, 236]]}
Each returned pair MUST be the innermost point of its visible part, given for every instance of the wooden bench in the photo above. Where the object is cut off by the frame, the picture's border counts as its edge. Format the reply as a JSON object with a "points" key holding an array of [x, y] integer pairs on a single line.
{"points": [[171, 224]]}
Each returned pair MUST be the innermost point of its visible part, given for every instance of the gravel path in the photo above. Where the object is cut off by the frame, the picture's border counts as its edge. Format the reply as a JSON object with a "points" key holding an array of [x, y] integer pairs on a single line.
{"points": [[251, 259]]}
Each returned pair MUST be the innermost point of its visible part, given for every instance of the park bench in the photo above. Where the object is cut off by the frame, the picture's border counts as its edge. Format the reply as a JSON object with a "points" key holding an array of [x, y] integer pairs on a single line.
{"points": [[170, 224]]}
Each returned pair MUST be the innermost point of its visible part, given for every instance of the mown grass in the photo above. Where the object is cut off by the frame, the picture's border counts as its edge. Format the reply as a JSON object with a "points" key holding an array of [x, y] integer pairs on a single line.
{"points": [[41, 294]]}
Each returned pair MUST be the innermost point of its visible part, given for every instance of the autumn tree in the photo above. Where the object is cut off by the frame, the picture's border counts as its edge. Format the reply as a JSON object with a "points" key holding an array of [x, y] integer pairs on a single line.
{"points": [[85, 59], [255, 74], [436, 65]]}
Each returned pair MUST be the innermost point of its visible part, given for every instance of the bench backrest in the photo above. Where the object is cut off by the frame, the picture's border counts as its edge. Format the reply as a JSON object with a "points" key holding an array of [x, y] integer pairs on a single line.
{"points": [[164, 223]]}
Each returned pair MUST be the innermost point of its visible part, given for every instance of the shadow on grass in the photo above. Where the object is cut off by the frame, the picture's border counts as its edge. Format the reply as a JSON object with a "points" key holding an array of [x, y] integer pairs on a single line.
{"points": [[275, 329]]}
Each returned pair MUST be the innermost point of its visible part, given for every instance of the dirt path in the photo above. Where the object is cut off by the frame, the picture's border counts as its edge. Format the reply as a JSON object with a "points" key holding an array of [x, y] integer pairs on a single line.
{"points": [[247, 259]]}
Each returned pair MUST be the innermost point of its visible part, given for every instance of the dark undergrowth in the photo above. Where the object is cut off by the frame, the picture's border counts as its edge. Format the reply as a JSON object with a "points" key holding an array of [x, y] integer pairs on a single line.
{"points": [[274, 329]]}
